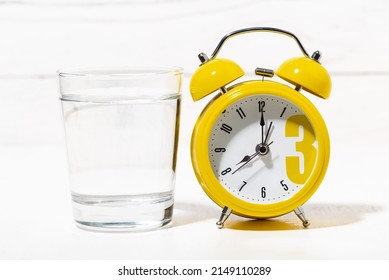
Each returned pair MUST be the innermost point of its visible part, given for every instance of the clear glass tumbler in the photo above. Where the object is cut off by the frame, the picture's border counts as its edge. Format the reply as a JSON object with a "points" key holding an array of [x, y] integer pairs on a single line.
{"points": [[121, 127]]}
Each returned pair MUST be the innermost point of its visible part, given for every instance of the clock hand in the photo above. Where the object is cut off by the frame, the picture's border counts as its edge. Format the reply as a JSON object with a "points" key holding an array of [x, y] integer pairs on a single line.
{"points": [[262, 123], [248, 158], [267, 133]]}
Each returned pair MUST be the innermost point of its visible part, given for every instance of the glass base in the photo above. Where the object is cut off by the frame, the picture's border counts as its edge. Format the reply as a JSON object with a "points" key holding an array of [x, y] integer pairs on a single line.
{"points": [[123, 213]]}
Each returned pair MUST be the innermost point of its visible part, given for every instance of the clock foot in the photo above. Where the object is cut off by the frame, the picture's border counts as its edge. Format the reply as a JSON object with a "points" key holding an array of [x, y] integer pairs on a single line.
{"points": [[301, 215], [223, 217]]}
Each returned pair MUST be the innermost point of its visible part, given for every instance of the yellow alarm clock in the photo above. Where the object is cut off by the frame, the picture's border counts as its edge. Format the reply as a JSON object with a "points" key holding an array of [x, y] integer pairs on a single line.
{"points": [[260, 148]]}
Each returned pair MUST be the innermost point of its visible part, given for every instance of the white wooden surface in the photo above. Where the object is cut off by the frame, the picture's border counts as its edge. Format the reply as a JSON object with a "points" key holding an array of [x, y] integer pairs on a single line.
{"points": [[349, 212]]}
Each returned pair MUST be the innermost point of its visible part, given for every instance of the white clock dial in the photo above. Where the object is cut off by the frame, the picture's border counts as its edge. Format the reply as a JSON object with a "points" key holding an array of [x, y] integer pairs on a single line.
{"points": [[262, 149]]}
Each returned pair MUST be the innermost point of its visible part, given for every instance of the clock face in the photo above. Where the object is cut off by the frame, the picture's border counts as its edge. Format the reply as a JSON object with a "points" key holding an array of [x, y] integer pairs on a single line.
{"points": [[263, 149]]}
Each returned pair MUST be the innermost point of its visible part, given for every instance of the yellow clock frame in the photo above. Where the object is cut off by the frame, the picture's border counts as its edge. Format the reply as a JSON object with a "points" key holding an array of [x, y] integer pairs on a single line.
{"points": [[215, 74], [200, 155]]}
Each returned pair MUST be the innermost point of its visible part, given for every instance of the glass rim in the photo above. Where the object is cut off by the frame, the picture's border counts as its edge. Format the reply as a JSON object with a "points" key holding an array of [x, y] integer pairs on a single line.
{"points": [[119, 71]]}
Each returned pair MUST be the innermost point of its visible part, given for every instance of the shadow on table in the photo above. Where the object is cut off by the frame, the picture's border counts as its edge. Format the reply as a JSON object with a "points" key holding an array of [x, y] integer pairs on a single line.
{"points": [[320, 215]]}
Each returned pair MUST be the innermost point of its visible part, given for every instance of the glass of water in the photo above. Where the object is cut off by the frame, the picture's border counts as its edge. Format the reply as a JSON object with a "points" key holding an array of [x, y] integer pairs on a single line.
{"points": [[121, 128]]}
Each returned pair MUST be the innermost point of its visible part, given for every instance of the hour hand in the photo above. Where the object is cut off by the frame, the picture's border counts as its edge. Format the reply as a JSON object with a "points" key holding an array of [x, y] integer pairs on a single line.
{"points": [[260, 150], [246, 158]]}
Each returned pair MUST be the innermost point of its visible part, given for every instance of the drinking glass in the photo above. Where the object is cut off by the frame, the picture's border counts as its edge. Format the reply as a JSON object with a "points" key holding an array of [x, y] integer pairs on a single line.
{"points": [[121, 130]]}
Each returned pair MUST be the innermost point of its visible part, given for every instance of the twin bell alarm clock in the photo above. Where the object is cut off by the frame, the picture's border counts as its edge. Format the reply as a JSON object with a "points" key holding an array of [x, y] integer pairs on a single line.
{"points": [[260, 148]]}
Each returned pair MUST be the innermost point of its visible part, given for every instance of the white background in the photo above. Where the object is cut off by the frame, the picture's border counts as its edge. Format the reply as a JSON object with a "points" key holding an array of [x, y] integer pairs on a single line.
{"points": [[349, 212]]}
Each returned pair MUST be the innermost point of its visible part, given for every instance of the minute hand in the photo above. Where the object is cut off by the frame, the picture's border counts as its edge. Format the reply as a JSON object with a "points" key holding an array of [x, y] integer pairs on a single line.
{"points": [[262, 123]]}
